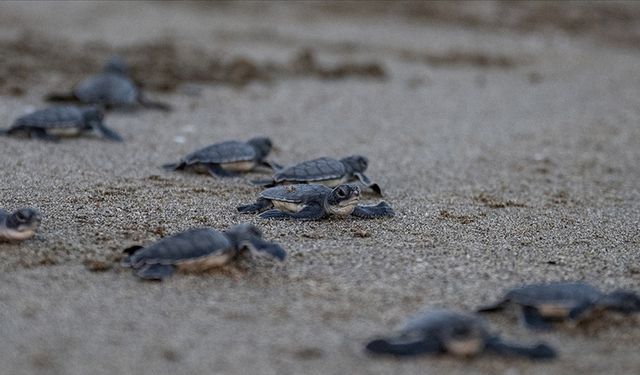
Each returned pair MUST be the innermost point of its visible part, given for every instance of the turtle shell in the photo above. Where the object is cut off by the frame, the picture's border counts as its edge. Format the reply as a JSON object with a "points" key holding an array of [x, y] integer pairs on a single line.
{"points": [[52, 117], [182, 247], [299, 193], [560, 294], [108, 89], [219, 153], [312, 170]]}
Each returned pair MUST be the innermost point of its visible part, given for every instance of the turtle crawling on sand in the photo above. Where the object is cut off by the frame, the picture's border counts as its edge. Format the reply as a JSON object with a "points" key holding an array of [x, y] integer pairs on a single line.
{"points": [[61, 121], [198, 250], [542, 304], [313, 202], [19, 225], [228, 158], [445, 331], [324, 171], [112, 88]]}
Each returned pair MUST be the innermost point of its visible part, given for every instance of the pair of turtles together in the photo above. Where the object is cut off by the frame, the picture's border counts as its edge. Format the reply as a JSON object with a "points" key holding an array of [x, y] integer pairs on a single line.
{"points": [[19, 225], [112, 88], [445, 331], [310, 190]]}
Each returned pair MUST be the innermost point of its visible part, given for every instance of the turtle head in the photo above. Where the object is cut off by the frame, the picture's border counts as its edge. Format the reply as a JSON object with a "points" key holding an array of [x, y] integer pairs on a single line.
{"points": [[624, 301], [249, 237], [115, 65], [22, 223], [262, 145], [92, 114], [356, 163], [342, 199]]}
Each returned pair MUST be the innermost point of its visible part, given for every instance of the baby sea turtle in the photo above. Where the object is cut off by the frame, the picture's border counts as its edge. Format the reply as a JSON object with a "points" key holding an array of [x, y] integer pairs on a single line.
{"points": [[313, 202], [19, 225], [112, 88], [445, 331], [60, 121], [198, 250], [543, 304], [324, 171], [226, 159]]}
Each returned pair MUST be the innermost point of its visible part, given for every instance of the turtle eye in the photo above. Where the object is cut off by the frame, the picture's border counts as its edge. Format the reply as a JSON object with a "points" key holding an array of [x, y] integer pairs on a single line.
{"points": [[341, 193], [21, 216]]}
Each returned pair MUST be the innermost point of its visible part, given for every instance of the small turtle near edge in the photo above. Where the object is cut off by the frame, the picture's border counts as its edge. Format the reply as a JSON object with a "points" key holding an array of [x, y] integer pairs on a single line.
{"points": [[19, 225], [313, 202], [61, 121], [198, 250], [542, 304], [324, 171], [445, 331], [228, 158], [112, 88]]}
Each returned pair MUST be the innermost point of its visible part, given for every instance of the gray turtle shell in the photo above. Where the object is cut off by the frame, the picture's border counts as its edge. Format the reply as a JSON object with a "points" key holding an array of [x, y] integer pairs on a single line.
{"points": [[188, 245], [107, 88], [312, 170], [225, 152], [52, 117], [299, 193], [560, 293]]}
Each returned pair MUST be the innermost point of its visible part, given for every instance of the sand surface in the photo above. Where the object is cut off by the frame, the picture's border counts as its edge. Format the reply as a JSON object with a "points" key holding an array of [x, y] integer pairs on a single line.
{"points": [[507, 146]]}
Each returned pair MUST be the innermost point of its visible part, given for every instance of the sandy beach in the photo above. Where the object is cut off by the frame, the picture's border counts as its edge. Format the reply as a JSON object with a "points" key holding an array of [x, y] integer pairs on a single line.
{"points": [[505, 137]]}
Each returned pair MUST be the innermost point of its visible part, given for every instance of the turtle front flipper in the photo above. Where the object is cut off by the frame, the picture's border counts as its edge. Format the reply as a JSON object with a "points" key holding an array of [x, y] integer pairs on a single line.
{"points": [[156, 271], [260, 205], [533, 319], [401, 347], [539, 351], [367, 182], [309, 212], [146, 103], [578, 312], [217, 170], [261, 247], [382, 209], [264, 183], [107, 132]]}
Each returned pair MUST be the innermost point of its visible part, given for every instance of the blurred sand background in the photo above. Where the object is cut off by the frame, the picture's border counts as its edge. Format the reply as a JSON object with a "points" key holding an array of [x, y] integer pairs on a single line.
{"points": [[505, 135]]}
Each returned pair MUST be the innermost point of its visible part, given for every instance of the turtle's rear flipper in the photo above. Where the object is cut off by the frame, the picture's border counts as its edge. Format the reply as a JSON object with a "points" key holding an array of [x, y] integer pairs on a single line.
{"points": [[108, 133], [540, 351], [310, 212], [367, 182], [406, 348], [173, 166], [264, 183], [271, 164], [42, 135], [577, 313], [382, 209], [126, 261], [156, 271], [498, 306], [61, 97], [146, 103], [533, 319]]}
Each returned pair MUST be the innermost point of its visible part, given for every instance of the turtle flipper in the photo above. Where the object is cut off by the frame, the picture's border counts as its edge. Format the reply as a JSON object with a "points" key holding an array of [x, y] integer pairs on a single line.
{"points": [[539, 351], [271, 164], [533, 319], [309, 212], [580, 310], [260, 205], [498, 306], [217, 170], [146, 103], [4, 132], [367, 182], [264, 183], [107, 132], [126, 261], [61, 97], [382, 209], [156, 271], [173, 166], [404, 348], [260, 247]]}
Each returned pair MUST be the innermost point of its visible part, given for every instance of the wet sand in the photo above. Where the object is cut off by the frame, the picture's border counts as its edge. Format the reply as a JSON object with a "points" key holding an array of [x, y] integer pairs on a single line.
{"points": [[510, 155]]}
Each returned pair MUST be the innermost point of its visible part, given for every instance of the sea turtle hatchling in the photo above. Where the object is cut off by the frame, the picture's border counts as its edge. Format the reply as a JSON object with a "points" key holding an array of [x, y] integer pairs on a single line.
{"points": [[19, 225], [324, 171], [61, 121], [313, 202], [228, 158], [446, 331], [111, 88], [542, 304], [198, 250]]}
